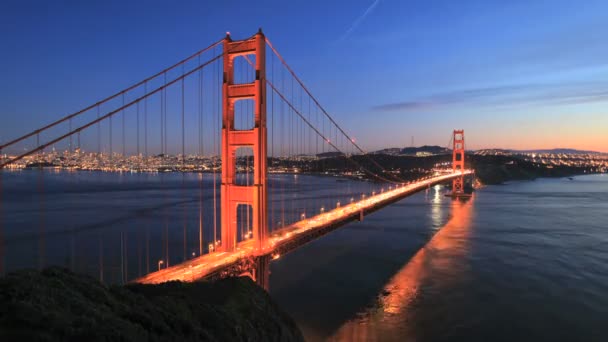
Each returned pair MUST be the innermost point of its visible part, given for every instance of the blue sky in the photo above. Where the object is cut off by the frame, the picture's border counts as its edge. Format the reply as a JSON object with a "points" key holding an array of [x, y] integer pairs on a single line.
{"points": [[513, 74]]}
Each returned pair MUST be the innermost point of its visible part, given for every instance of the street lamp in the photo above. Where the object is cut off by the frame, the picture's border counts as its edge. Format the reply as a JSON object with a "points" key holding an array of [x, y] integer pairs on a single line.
{"points": [[160, 262]]}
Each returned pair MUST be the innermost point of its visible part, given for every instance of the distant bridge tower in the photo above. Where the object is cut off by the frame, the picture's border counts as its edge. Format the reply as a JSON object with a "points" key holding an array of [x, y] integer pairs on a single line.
{"points": [[458, 163], [232, 194]]}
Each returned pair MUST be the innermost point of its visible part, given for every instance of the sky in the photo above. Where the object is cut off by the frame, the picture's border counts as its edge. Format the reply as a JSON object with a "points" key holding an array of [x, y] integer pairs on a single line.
{"points": [[512, 74]]}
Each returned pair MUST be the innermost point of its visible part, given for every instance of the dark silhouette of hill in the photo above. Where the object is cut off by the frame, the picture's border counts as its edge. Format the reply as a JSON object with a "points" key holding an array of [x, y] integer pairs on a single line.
{"points": [[58, 305]]}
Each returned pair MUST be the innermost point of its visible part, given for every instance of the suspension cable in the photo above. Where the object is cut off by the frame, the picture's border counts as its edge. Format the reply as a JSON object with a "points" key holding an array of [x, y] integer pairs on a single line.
{"points": [[107, 99], [112, 113], [352, 140], [327, 140]]}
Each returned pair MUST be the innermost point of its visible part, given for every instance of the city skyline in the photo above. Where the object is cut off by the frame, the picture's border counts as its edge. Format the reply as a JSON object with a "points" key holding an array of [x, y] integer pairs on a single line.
{"points": [[514, 76]]}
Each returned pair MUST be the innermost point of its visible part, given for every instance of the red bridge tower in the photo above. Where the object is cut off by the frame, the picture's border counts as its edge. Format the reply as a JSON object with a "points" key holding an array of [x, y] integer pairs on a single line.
{"points": [[458, 163], [233, 194]]}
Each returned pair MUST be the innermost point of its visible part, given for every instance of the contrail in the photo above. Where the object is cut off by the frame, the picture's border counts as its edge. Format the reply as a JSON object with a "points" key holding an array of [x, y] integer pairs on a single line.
{"points": [[360, 19]]}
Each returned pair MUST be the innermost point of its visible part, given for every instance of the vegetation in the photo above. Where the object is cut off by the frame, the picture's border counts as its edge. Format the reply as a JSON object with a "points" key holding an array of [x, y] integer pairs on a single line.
{"points": [[58, 305], [500, 169], [489, 169]]}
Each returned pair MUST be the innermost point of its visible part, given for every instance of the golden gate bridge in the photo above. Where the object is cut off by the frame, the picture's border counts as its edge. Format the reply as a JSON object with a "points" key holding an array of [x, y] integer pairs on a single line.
{"points": [[232, 113]]}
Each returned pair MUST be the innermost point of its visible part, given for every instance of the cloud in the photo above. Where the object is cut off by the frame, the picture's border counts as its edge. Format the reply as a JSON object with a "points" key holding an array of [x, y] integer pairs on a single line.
{"points": [[509, 95], [406, 105], [359, 20]]}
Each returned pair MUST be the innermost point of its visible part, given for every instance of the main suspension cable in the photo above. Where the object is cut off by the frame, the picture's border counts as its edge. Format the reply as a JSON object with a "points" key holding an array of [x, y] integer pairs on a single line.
{"points": [[107, 99]]}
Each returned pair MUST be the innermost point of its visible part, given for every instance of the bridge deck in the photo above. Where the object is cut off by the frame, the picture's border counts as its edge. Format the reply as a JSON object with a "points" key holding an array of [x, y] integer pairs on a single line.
{"points": [[290, 237]]}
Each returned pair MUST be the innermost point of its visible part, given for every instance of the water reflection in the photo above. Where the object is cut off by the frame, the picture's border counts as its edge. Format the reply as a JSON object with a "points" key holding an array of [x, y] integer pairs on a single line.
{"points": [[436, 207], [440, 261]]}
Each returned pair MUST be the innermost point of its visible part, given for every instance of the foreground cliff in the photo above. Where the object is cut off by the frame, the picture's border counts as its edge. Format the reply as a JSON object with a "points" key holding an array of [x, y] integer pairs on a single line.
{"points": [[58, 305]]}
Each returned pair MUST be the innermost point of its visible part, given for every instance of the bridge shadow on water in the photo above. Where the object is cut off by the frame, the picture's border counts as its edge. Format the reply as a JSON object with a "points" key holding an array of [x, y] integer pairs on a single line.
{"points": [[379, 286], [394, 314]]}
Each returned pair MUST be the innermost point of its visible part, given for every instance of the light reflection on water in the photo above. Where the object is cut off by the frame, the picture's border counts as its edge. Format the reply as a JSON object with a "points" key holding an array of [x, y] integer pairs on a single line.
{"points": [[436, 207], [525, 261], [388, 320]]}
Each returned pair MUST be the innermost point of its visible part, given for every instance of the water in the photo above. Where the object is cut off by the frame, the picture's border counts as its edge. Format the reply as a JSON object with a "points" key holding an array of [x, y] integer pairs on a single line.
{"points": [[120, 226], [523, 261]]}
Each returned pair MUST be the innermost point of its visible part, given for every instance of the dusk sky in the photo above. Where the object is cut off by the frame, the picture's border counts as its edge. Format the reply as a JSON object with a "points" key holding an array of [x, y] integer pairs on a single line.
{"points": [[513, 74]]}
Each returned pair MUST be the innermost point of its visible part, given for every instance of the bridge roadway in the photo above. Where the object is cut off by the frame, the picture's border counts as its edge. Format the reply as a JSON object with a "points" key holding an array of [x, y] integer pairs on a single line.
{"points": [[288, 238]]}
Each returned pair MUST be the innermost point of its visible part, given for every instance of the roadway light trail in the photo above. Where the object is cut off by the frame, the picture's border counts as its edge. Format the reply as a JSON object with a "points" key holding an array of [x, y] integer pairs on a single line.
{"points": [[205, 265]]}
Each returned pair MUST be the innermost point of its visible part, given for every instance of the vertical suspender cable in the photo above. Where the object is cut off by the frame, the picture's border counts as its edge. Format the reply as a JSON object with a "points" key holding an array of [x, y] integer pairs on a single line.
{"points": [[215, 147], [183, 161], [98, 138], [272, 156], [137, 129], [146, 122], [70, 147], [123, 128], [201, 154]]}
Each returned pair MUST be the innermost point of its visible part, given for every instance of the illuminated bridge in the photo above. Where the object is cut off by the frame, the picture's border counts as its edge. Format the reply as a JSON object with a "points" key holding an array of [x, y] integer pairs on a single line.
{"points": [[236, 115], [243, 259]]}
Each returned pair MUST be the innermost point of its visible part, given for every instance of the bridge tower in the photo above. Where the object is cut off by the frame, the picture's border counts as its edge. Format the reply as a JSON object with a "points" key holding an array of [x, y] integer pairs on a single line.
{"points": [[458, 163], [232, 194]]}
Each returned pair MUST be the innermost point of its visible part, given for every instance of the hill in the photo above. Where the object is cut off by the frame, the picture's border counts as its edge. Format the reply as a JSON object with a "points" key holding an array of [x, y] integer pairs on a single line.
{"points": [[558, 151], [413, 150], [58, 305]]}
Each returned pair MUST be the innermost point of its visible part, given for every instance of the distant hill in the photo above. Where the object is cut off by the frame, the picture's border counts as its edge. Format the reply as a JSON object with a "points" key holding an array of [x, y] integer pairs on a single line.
{"points": [[330, 154], [426, 148], [411, 151], [393, 151], [558, 150]]}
